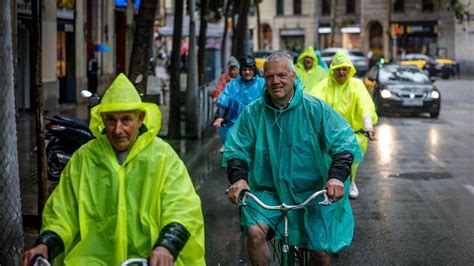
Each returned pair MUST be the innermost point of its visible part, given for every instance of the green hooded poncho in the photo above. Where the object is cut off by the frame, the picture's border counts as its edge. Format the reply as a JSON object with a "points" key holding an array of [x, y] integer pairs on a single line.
{"points": [[312, 77], [351, 99], [105, 212], [289, 153]]}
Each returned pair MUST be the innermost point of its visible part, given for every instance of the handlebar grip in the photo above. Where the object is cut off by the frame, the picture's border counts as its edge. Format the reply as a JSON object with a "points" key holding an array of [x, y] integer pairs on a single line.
{"points": [[39, 260], [242, 194]]}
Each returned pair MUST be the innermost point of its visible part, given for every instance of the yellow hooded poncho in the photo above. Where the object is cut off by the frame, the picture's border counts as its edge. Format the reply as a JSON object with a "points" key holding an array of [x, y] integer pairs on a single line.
{"points": [[106, 212], [351, 99], [312, 77]]}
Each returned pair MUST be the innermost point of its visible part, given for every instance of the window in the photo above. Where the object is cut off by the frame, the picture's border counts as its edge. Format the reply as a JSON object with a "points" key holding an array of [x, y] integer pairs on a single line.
{"points": [[427, 5], [398, 6], [350, 6], [326, 7], [279, 7], [296, 7]]}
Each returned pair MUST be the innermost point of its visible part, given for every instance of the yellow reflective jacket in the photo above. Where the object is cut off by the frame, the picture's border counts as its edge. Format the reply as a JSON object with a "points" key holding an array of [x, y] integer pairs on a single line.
{"points": [[106, 212], [312, 77], [351, 99]]}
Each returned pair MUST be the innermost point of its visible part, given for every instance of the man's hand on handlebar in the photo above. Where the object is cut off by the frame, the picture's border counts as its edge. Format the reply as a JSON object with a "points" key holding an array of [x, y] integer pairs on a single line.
{"points": [[217, 123], [371, 134], [161, 256], [41, 249], [234, 190], [335, 188]]}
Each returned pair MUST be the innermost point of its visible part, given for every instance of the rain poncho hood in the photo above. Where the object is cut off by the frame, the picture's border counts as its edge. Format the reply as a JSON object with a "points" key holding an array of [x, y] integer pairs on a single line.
{"points": [[350, 99], [289, 153], [315, 74], [122, 96], [106, 212], [239, 93]]}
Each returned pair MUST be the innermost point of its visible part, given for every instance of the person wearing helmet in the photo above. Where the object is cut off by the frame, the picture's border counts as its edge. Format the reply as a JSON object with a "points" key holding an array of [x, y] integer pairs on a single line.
{"points": [[233, 71], [238, 93], [124, 194], [349, 97]]}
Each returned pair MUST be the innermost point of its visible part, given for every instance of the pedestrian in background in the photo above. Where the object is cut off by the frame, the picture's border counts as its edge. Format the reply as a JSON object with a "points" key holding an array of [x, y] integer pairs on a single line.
{"points": [[232, 72], [349, 97], [92, 72], [308, 69], [238, 93]]}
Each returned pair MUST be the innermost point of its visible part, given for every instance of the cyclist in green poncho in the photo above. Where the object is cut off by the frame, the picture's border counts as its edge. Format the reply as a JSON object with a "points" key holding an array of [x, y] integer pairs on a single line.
{"points": [[125, 194], [285, 146]]}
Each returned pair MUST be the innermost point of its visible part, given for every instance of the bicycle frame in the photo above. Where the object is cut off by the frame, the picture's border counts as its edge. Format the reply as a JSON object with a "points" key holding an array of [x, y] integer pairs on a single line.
{"points": [[284, 209]]}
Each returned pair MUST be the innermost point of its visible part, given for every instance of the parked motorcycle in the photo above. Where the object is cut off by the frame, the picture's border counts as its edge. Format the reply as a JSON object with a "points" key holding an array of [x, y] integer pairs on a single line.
{"points": [[64, 135]]}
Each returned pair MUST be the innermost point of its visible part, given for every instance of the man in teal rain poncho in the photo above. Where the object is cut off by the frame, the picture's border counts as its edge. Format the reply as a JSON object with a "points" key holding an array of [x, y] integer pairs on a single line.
{"points": [[349, 97], [285, 146], [125, 194], [308, 68]]}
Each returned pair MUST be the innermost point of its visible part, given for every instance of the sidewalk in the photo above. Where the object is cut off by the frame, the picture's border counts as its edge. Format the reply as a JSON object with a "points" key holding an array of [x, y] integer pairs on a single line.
{"points": [[191, 152]]}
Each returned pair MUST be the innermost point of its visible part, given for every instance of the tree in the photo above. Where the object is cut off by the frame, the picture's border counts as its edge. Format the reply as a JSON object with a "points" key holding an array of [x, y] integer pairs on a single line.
{"points": [[174, 122], [228, 6], [204, 8], [334, 24], [239, 44], [458, 8], [143, 37], [259, 27], [11, 230]]}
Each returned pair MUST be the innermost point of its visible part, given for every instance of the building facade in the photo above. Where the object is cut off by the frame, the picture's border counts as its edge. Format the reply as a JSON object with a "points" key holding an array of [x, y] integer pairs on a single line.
{"points": [[386, 30]]}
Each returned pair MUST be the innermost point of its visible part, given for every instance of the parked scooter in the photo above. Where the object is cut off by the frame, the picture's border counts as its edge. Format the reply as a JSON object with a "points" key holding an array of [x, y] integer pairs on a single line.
{"points": [[65, 134]]}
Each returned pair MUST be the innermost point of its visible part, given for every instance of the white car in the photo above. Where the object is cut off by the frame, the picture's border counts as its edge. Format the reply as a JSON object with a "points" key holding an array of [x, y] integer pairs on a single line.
{"points": [[360, 61]]}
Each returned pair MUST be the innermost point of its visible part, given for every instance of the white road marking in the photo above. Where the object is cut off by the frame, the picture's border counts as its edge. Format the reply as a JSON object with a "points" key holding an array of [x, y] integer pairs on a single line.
{"points": [[470, 188]]}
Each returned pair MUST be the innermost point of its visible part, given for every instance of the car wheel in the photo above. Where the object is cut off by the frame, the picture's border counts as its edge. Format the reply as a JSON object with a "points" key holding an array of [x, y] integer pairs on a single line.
{"points": [[378, 107], [434, 114]]}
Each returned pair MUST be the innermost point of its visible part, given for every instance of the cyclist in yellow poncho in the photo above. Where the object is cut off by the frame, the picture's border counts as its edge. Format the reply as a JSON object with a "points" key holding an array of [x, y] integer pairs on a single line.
{"points": [[124, 194], [349, 97], [308, 69]]}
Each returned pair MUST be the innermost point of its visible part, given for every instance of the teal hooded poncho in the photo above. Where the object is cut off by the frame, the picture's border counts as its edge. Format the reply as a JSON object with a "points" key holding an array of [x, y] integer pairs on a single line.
{"points": [[289, 153]]}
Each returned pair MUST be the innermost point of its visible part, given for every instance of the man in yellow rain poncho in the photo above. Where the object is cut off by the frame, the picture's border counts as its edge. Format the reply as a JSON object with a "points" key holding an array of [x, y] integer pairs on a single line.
{"points": [[349, 97], [308, 69], [125, 194]]}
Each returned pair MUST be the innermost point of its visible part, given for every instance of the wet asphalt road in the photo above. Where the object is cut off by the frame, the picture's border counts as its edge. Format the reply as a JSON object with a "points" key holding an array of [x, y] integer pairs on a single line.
{"points": [[416, 192]]}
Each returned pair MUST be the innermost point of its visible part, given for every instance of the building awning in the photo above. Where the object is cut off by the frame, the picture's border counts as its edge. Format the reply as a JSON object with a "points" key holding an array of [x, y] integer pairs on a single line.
{"points": [[213, 30], [292, 32], [349, 29]]}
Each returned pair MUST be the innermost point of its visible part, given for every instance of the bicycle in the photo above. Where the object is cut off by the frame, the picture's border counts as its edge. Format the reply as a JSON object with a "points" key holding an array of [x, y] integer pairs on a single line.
{"points": [[39, 260], [290, 255]]}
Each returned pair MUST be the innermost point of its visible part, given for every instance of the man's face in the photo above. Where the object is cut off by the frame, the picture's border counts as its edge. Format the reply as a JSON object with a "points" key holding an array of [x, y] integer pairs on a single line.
{"points": [[279, 80], [233, 71], [122, 128], [308, 62], [247, 73], [341, 74]]}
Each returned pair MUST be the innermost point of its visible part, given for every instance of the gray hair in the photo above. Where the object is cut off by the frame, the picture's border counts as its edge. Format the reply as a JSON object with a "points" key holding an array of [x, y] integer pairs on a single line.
{"points": [[279, 57]]}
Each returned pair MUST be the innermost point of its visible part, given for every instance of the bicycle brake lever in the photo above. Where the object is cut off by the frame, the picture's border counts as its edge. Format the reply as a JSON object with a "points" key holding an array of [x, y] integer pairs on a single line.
{"points": [[326, 201]]}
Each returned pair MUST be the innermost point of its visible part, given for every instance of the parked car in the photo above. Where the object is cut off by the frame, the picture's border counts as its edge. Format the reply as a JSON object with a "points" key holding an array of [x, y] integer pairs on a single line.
{"points": [[358, 58], [402, 89], [445, 68]]}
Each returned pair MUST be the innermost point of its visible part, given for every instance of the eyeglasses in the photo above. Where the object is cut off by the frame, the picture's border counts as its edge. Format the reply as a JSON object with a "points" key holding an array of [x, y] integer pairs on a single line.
{"points": [[280, 76]]}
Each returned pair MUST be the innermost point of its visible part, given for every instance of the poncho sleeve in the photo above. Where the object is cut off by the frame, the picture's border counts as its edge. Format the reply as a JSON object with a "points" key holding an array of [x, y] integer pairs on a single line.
{"points": [[60, 211], [181, 204]]}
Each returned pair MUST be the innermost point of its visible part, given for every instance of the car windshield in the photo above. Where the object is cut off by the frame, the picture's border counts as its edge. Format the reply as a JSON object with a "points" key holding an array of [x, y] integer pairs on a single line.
{"points": [[356, 53], [390, 74], [328, 54]]}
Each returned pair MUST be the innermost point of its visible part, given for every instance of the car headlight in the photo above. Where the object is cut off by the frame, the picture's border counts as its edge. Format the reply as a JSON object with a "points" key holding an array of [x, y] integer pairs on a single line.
{"points": [[385, 93], [434, 94]]}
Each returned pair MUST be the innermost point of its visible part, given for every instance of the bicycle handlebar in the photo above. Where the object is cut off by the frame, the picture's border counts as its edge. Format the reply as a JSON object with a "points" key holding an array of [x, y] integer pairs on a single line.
{"points": [[134, 261], [39, 260], [245, 193]]}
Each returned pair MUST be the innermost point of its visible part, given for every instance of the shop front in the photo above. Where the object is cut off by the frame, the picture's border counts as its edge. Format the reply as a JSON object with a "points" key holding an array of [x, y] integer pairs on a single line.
{"points": [[416, 37]]}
